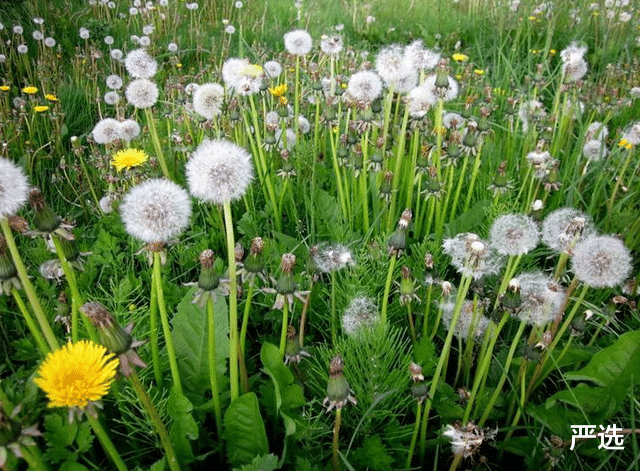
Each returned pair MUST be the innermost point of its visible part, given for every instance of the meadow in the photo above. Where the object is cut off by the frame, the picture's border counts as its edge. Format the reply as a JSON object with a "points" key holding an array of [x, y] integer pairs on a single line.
{"points": [[319, 235]]}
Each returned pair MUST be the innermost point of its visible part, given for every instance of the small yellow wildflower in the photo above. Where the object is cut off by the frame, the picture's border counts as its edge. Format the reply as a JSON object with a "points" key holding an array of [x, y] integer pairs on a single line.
{"points": [[624, 143], [30, 90], [552, 52], [179, 65], [478, 71], [279, 90], [251, 70], [128, 158], [282, 100], [40, 108], [459, 57], [458, 76], [77, 374], [51, 97], [5, 88]]}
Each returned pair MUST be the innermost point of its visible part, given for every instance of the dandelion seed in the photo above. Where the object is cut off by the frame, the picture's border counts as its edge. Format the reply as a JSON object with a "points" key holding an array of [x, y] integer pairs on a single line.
{"points": [[142, 93], [514, 234], [14, 188], [208, 100], [420, 100], [155, 211], [77, 374], [419, 58], [219, 171], [601, 261], [229, 29], [298, 42]]}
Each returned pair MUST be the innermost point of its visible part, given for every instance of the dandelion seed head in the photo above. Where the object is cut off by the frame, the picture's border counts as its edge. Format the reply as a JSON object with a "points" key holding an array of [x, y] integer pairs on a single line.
{"points": [[273, 69], [541, 298], [111, 98], [172, 47], [108, 40], [116, 54], [17, 29], [155, 211], [49, 42], [37, 35], [298, 42], [106, 130], [514, 234], [114, 82], [596, 131], [142, 93], [219, 171], [471, 256], [465, 319], [364, 86], [129, 130], [420, 100], [595, 150], [360, 314], [331, 258], [14, 188], [450, 93], [140, 64], [84, 33], [22, 49], [331, 45], [208, 100], [562, 228], [601, 261], [420, 58], [144, 41], [631, 133]]}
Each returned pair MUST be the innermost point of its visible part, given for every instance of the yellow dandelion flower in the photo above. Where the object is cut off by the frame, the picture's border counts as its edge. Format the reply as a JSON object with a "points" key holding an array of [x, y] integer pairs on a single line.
{"points": [[40, 108], [459, 57], [77, 374], [251, 70], [478, 71], [51, 97], [30, 90], [179, 65], [5, 88], [552, 52], [128, 158], [282, 100], [279, 90], [624, 143]]}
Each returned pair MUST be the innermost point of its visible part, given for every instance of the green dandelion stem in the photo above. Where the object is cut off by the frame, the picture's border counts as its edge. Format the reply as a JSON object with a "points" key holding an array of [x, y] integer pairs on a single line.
{"points": [[106, 443], [364, 175], [156, 143], [336, 440], [32, 456], [213, 366], [474, 175], [427, 308], [505, 372], [465, 283], [31, 323], [334, 321], [338, 178], [233, 303], [164, 320], [245, 317], [512, 265], [616, 187], [400, 150], [76, 299], [153, 331], [156, 420], [28, 286], [461, 180], [414, 435], [285, 324], [387, 289]]}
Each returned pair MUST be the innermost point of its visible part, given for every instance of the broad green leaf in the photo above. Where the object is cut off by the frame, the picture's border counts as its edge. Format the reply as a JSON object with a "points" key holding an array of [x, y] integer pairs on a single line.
{"points": [[58, 431], [244, 430], [288, 395], [183, 428], [190, 336], [596, 402], [558, 419], [73, 466], [261, 463], [84, 439]]}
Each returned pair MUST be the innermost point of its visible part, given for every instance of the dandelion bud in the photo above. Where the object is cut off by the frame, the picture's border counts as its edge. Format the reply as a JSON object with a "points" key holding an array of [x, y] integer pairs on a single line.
{"points": [[112, 336], [385, 187], [511, 299], [407, 291], [254, 262], [293, 352], [45, 220], [209, 279], [442, 79], [238, 252], [286, 284], [338, 391], [418, 386]]}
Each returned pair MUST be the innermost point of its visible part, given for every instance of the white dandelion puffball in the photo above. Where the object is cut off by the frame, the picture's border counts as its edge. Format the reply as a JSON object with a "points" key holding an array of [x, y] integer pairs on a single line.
{"points": [[231, 72], [106, 130], [514, 234], [361, 314], [298, 42], [542, 298], [219, 171], [208, 99], [420, 100], [13, 188], [114, 82], [364, 86], [142, 93], [156, 210], [601, 261], [129, 130], [140, 64], [273, 69], [562, 228]]}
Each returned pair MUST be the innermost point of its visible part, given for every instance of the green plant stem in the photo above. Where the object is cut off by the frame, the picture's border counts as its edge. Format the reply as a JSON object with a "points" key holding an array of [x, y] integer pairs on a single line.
{"points": [[414, 435], [106, 443], [503, 377], [474, 175], [32, 456], [245, 316], [400, 150], [233, 303], [334, 321], [31, 323], [619, 180], [76, 298], [512, 265], [336, 440], [164, 320], [427, 308], [156, 420], [213, 366], [157, 146], [28, 286], [465, 283], [283, 330], [412, 327], [387, 289], [153, 331]]}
